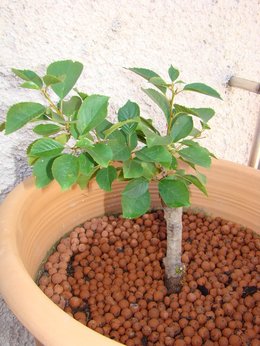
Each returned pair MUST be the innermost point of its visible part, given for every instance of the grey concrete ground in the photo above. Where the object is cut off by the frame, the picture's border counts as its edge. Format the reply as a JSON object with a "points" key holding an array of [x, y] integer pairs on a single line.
{"points": [[12, 332]]}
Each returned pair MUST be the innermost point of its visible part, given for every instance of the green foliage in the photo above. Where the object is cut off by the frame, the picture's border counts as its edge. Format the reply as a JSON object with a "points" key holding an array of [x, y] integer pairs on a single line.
{"points": [[20, 114], [65, 170], [136, 198], [105, 177], [68, 71], [92, 112], [77, 142]]}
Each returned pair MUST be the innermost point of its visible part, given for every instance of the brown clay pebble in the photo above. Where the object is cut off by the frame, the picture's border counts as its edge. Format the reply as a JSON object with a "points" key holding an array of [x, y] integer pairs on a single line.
{"points": [[111, 271]]}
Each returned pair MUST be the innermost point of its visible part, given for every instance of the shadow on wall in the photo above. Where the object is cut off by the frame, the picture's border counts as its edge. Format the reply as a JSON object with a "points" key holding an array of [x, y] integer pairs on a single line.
{"points": [[22, 170]]}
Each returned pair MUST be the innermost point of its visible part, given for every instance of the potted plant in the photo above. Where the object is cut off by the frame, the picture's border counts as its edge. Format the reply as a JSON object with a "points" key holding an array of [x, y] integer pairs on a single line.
{"points": [[78, 144]]}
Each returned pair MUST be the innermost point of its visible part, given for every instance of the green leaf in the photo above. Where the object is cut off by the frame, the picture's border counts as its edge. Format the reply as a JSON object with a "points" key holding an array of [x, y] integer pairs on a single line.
{"points": [[157, 154], [174, 193], [120, 124], [174, 163], [136, 198], [196, 155], [45, 147], [119, 147], [20, 114], [189, 142], [195, 181], [29, 76], [101, 128], [67, 70], [105, 177], [42, 171], [149, 170], [148, 75], [2, 126], [62, 138], [92, 112], [86, 164], [160, 100], [65, 170], [29, 85], [130, 110], [181, 127], [101, 153], [131, 140], [83, 179], [205, 114], [159, 83], [173, 73], [148, 123], [202, 177], [202, 89], [49, 79], [132, 169], [84, 143], [46, 129], [71, 106], [82, 95], [153, 139]]}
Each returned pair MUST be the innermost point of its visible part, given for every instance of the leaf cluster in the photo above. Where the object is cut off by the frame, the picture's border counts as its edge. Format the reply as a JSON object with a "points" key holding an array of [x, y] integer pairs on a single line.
{"points": [[78, 143]]}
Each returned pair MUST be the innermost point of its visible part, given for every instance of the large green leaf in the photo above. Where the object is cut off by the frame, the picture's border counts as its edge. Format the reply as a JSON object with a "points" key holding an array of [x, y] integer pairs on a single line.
{"points": [[196, 155], [65, 170], [119, 147], [46, 129], [42, 171], [105, 177], [157, 154], [21, 113], [205, 114], [86, 163], [174, 193], [130, 110], [45, 147], [135, 198], [173, 73], [160, 100], [71, 106], [69, 71], [181, 127], [92, 112], [148, 75], [149, 170], [101, 153], [132, 169], [202, 89], [29, 76]]}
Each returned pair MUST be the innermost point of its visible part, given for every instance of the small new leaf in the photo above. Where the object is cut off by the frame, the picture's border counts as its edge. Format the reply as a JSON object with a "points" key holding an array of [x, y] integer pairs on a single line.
{"points": [[46, 129], [173, 73], [148, 75]]}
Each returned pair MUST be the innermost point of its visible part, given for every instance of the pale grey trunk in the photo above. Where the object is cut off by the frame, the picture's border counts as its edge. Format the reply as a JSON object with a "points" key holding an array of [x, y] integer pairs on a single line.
{"points": [[172, 262]]}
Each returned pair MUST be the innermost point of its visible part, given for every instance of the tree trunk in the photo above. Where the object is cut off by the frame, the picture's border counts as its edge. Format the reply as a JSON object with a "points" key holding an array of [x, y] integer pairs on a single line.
{"points": [[173, 266]]}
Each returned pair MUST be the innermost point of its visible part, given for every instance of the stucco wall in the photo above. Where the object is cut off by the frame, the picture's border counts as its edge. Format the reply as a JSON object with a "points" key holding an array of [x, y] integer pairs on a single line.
{"points": [[208, 40]]}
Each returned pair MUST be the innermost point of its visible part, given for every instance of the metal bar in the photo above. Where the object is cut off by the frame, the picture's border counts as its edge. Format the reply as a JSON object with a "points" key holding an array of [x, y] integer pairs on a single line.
{"points": [[237, 82], [245, 84], [254, 160]]}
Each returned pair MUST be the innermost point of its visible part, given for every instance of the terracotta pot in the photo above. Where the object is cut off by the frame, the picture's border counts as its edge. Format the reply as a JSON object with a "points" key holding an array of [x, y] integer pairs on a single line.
{"points": [[31, 220]]}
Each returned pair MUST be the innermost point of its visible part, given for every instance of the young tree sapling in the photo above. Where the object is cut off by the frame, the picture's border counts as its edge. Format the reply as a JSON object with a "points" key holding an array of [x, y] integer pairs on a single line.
{"points": [[78, 143]]}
